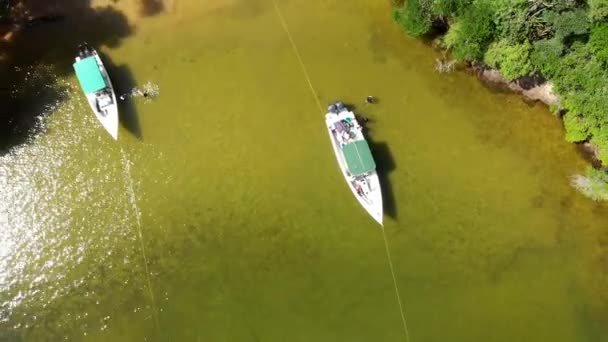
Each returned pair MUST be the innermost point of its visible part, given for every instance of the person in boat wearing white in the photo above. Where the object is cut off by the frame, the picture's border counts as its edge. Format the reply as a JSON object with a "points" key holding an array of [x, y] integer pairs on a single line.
{"points": [[103, 100], [359, 189], [345, 137]]}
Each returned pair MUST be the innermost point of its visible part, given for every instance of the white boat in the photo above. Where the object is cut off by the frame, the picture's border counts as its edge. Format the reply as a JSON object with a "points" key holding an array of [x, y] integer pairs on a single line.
{"points": [[97, 87], [355, 158]]}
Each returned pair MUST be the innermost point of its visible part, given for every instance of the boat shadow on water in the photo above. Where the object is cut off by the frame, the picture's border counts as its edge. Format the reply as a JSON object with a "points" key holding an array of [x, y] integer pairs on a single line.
{"points": [[26, 99], [385, 164], [123, 82], [41, 51]]}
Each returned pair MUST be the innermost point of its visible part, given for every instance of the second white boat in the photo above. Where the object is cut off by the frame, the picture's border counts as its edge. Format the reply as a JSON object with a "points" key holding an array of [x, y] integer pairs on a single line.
{"points": [[355, 158]]}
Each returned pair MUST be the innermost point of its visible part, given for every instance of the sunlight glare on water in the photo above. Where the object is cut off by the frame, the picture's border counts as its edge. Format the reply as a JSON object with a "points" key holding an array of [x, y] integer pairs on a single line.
{"points": [[66, 218]]}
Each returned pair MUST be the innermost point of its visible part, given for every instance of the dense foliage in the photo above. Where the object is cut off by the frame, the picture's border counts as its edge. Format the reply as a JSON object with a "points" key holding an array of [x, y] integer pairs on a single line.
{"points": [[565, 41], [415, 18], [512, 59]]}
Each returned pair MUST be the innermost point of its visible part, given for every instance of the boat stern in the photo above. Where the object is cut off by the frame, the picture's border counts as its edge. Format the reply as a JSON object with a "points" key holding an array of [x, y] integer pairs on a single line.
{"points": [[377, 210], [109, 119], [112, 125]]}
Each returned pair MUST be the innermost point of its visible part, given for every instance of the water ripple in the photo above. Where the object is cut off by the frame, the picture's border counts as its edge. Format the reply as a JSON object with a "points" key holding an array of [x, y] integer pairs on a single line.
{"points": [[65, 225]]}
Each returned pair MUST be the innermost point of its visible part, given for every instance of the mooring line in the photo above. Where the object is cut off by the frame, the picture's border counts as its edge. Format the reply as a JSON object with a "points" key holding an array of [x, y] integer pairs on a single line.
{"points": [[297, 53], [314, 93], [133, 200], [390, 264]]}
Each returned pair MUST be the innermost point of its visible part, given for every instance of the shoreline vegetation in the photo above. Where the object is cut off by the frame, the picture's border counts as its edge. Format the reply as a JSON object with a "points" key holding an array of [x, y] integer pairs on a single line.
{"points": [[553, 51]]}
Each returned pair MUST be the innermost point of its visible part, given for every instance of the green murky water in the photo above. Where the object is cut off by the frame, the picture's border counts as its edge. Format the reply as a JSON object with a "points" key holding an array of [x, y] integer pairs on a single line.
{"points": [[227, 219]]}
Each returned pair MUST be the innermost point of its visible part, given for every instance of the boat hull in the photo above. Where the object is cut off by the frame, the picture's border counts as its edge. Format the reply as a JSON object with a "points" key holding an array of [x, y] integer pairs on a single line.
{"points": [[108, 116], [371, 201]]}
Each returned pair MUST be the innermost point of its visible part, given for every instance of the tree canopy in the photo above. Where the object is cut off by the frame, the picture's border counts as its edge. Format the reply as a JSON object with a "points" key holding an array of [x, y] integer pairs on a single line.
{"points": [[565, 41]]}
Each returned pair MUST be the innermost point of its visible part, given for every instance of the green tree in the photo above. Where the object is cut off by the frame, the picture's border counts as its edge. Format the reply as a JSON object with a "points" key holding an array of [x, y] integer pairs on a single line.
{"points": [[568, 23], [599, 42], [600, 139], [581, 82], [474, 32], [414, 17], [598, 9], [545, 56], [562, 5], [512, 21], [576, 128], [511, 59], [449, 7], [564, 40]]}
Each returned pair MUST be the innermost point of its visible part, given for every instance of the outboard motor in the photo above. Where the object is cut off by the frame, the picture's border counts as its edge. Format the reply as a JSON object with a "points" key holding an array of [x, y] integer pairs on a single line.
{"points": [[340, 106], [333, 108]]}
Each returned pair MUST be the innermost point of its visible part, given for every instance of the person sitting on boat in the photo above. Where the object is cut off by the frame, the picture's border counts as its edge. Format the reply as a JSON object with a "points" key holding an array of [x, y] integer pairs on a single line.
{"points": [[340, 106], [345, 136], [104, 99], [359, 189], [347, 124], [332, 109]]}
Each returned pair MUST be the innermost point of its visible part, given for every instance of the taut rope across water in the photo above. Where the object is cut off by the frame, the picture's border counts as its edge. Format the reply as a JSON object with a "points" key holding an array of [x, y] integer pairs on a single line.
{"points": [[314, 93], [390, 264], [133, 201], [295, 50]]}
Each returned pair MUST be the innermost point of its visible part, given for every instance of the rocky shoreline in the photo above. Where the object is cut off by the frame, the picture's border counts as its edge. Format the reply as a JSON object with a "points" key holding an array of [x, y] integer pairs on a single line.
{"points": [[532, 88]]}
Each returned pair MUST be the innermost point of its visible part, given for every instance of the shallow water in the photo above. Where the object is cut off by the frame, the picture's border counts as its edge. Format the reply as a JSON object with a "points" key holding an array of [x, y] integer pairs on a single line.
{"points": [[220, 214]]}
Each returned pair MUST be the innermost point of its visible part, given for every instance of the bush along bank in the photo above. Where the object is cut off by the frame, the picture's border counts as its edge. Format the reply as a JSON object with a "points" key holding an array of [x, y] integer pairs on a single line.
{"points": [[555, 51]]}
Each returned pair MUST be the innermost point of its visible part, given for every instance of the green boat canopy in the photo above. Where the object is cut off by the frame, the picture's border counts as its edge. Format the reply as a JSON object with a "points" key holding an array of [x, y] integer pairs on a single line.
{"points": [[90, 77], [358, 157]]}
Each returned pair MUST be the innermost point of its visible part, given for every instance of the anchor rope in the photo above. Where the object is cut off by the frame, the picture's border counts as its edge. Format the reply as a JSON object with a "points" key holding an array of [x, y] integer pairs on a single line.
{"points": [[297, 53], [137, 213], [397, 292], [316, 97]]}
